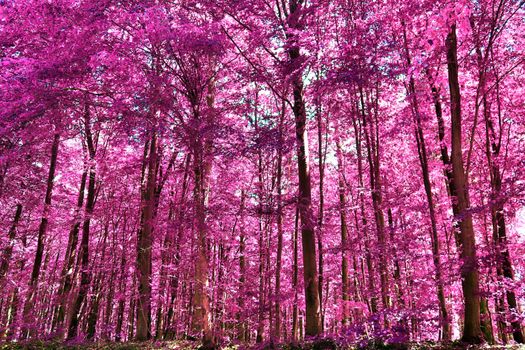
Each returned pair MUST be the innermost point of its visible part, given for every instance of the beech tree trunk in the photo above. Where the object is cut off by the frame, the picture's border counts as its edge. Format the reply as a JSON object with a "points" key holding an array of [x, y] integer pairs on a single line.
{"points": [[144, 244], [469, 269], [241, 326], [344, 235], [8, 251], [202, 147], [85, 275], [364, 221], [201, 307], [66, 277], [372, 144], [321, 207], [503, 260], [311, 280], [42, 229], [278, 268], [295, 277], [262, 228], [423, 160]]}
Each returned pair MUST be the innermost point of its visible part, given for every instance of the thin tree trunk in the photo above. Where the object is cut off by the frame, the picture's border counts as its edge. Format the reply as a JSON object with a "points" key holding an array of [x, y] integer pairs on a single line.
{"points": [[8, 251], [311, 280], [295, 275], [42, 230], [260, 190], [99, 280], [277, 334], [503, 260], [85, 276], [321, 209], [364, 221], [241, 325], [66, 277], [423, 160], [344, 234], [372, 145], [174, 279]]}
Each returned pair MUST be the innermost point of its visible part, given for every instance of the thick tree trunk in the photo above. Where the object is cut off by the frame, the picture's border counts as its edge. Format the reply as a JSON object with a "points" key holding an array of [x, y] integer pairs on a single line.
{"points": [[201, 307], [202, 164], [469, 269], [144, 244]]}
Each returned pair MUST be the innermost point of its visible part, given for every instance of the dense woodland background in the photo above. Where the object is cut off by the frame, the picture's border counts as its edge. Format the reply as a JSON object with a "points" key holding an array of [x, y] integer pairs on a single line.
{"points": [[262, 170]]}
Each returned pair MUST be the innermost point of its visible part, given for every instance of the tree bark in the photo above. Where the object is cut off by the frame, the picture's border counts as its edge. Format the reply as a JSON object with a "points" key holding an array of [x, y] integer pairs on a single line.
{"points": [[423, 160], [85, 275], [201, 147], [66, 277], [278, 268], [372, 145], [320, 215], [311, 280], [42, 230], [144, 244], [295, 277], [469, 269], [364, 221], [344, 234], [8, 251]]}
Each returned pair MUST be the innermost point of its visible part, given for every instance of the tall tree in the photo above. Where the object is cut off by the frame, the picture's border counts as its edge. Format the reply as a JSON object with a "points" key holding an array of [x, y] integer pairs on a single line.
{"points": [[467, 240]]}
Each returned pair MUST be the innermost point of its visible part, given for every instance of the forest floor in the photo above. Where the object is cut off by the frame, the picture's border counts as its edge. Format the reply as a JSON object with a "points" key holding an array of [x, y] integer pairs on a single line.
{"points": [[188, 345]]}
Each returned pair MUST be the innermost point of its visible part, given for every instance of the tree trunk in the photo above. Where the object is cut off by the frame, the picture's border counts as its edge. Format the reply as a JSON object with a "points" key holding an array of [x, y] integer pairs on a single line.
{"points": [[295, 277], [241, 326], [503, 260], [144, 244], [278, 268], [423, 160], [311, 281], [321, 208], [344, 234], [467, 240], [122, 290], [364, 221], [8, 251], [260, 242], [201, 307], [33, 283], [85, 276], [66, 277]]}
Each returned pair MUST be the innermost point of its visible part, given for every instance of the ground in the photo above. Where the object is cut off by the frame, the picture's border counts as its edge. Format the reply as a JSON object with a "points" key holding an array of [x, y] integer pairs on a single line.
{"points": [[187, 345]]}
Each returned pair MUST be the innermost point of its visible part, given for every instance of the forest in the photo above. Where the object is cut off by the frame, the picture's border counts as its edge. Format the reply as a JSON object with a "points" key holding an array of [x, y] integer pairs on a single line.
{"points": [[256, 173]]}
